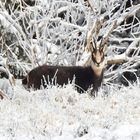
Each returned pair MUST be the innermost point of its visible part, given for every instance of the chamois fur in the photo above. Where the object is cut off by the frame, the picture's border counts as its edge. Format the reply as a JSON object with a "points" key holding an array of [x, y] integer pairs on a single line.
{"points": [[85, 77]]}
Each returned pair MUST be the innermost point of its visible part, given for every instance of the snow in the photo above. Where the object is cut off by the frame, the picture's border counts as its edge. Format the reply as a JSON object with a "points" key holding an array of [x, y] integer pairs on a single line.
{"points": [[6, 88], [60, 113]]}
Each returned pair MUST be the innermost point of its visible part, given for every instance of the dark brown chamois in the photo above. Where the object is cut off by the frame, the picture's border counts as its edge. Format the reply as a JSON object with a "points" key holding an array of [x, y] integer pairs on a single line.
{"points": [[85, 77], [89, 75]]}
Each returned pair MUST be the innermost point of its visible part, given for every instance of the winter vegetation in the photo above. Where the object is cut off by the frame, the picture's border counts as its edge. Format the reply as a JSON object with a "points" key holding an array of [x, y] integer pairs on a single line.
{"points": [[58, 32]]}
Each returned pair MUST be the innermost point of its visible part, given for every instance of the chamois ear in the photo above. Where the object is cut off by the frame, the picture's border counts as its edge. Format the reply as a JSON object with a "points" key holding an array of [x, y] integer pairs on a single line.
{"points": [[94, 47]]}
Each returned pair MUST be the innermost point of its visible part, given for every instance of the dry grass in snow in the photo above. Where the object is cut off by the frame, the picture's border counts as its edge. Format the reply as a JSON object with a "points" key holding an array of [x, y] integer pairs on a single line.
{"points": [[60, 113]]}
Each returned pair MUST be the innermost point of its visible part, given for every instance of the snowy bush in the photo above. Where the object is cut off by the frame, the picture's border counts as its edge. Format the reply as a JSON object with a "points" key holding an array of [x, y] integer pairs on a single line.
{"points": [[54, 32]]}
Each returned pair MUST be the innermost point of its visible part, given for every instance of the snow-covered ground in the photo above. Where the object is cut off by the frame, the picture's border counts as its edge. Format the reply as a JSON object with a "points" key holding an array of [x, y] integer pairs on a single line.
{"points": [[60, 113]]}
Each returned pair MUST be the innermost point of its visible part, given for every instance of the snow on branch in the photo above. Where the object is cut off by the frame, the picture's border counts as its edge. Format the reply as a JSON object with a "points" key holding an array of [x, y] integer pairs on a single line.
{"points": [[132, 11], [58, 32]]}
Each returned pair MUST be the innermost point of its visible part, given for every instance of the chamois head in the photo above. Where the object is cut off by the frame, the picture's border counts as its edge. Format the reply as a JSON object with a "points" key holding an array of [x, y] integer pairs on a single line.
{"points": [[97, 48], [97, 53], [97, 61]]}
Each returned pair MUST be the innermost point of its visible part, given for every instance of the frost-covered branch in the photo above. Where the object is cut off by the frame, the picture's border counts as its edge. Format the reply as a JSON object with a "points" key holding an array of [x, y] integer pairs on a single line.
{"points": [[57, 32]]}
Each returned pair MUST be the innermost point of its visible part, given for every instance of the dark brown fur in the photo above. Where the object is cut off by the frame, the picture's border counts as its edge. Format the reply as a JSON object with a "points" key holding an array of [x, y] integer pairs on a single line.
{"points": [[84, 76]]}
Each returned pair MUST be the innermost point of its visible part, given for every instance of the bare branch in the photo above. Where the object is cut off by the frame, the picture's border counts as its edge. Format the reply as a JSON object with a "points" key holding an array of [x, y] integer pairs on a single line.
{"points": [[123, 58], [128, 14], [117, 59]]}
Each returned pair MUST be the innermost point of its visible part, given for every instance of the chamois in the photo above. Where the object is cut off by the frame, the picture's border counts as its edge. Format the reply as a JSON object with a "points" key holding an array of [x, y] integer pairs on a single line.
{"points": [[85, 77], [90, 75]]}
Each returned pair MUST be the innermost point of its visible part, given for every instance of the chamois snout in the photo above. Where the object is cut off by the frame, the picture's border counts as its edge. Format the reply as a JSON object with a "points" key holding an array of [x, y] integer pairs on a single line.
{"points": [[97, 64], [97, 57]]}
